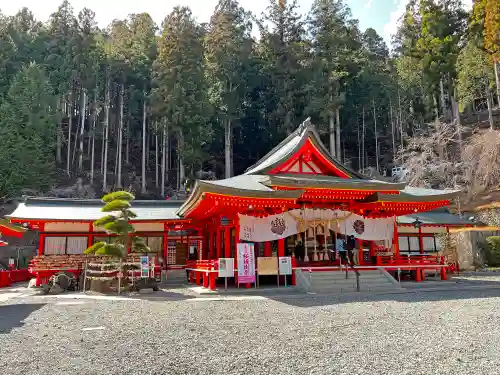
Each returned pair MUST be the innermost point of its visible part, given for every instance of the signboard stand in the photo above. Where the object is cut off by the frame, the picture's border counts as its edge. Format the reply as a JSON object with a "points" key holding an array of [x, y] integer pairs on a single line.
{"points": [[246, 264], [144, 266], [268, 266], [285, 267], [226, 269]]}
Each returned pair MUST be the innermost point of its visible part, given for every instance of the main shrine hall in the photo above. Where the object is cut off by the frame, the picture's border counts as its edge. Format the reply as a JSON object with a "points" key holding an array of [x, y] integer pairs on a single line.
{"points": [[297, 201]]}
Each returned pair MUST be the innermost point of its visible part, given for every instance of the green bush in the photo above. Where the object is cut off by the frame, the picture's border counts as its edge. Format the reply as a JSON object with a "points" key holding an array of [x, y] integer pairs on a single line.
{"points": [[493, 251]]}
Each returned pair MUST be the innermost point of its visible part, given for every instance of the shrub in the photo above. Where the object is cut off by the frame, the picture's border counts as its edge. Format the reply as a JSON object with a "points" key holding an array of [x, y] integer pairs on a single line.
{"points": [[493, 251]]}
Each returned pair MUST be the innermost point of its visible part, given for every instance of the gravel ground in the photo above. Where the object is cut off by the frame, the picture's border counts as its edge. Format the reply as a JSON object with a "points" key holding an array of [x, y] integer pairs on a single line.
{"points": [[452, 332]]}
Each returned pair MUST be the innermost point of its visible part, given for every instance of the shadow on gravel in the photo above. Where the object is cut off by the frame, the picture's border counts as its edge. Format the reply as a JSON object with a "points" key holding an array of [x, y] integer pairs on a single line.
{"points": [[412, 297], [12, 316]]}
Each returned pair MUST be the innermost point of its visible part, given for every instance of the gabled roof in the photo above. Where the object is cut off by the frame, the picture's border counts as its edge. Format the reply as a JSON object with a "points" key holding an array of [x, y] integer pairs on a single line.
{"points": [[435, 218], [292, 144], [84, 210]]}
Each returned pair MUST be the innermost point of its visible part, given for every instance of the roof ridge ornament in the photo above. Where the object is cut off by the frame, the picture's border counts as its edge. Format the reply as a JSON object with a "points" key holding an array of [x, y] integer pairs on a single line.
{"points": [[306, 124]]}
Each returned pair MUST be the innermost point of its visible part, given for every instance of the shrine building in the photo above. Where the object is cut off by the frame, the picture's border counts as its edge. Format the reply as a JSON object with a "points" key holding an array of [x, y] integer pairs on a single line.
{"points": [[297, 201]]}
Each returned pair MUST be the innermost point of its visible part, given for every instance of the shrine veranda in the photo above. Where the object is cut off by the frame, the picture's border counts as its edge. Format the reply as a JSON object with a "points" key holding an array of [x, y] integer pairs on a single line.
{"points": [[297, 198]]}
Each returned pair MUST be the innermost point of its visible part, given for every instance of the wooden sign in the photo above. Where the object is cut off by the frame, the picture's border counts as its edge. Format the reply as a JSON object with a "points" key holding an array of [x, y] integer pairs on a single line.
{"points": [[267, 265]]}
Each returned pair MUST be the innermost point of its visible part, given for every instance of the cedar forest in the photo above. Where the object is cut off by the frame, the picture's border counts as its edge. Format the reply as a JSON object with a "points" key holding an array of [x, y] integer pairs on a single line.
{"points": [[151, 108]]}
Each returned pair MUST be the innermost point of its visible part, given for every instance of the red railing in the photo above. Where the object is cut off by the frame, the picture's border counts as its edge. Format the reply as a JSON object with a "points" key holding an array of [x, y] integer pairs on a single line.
{"points": [[7, 278], [405, 260], [203, 272]]}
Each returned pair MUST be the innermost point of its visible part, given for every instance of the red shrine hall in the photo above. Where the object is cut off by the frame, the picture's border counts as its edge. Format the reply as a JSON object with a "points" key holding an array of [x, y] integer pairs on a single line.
{"points": [[297, 204]]}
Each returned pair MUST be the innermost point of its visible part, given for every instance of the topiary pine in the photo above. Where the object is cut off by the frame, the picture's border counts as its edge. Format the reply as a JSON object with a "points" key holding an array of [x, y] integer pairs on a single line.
{"points": [[117, 222]]}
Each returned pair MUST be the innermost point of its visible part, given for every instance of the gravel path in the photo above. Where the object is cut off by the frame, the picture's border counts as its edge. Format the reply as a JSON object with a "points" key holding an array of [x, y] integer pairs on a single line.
{"points": [[454, 332]]}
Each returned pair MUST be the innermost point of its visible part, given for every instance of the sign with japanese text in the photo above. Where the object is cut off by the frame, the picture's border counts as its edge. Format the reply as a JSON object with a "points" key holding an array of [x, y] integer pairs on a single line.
{"points": [[285, 265], [226, 267], [246, 263]]}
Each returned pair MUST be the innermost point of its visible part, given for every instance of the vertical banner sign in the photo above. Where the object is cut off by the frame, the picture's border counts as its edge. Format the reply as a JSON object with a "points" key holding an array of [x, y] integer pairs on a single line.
{"points": [[144, 266], [246, 263]]}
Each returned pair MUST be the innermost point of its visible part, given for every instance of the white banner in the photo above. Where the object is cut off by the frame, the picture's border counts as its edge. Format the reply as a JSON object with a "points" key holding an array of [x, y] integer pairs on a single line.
{"points": [[269, 228], [274, 227], [366, 229]]}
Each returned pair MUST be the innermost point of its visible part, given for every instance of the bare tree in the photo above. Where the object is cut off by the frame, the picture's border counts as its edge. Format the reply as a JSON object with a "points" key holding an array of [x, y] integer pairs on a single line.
{"points": [[432, 157]]}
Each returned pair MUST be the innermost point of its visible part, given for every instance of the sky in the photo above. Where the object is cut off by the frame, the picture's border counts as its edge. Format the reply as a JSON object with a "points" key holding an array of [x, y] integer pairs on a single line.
{"points": [[382, 15]]}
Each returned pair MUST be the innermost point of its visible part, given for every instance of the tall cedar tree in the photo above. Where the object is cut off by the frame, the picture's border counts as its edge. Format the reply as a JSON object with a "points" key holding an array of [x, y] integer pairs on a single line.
{"points": [[284, 48], [27, 134], [180, 89], [227, 50]]}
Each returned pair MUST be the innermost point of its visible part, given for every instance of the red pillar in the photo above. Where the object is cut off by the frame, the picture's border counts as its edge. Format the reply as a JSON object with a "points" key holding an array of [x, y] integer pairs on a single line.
{"points": [[218, 238], [268, 251], [165, 245], [420, 240], [227, 239], [90, 237], [205, 279], [443, 274], [41, 245], [418, 274], [236, 241], [360, 251], [395, 240], [281, 247], [212, 277]]}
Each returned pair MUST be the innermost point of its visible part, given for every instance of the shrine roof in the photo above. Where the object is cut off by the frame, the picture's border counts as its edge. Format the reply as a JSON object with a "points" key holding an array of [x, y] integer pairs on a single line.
{"points": [[329, 182], [292, 144], [250, 184], [58, 209], [411, 194], [435, 217]]}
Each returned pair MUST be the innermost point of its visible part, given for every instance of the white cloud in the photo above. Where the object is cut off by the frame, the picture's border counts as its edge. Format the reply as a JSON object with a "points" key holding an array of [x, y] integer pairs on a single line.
{"points": [[368, 4]]}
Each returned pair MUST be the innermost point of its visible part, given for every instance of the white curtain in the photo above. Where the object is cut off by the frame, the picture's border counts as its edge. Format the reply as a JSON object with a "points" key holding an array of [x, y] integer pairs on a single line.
{"points": [[76, 245], [55, 246]]}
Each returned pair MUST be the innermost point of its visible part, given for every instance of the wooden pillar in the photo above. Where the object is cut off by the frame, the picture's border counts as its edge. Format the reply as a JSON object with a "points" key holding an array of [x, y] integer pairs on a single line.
{"points": [[281, 247], [268, 251], [227, 240]]}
